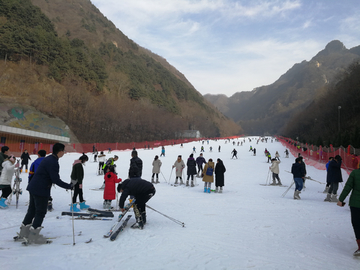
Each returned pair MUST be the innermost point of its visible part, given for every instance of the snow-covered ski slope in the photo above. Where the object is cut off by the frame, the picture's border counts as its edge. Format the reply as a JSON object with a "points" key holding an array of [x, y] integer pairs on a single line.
{"points": [[248, 226]]}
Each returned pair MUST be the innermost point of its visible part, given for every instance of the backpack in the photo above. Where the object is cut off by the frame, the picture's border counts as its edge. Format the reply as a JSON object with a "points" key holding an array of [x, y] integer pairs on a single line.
{"points": [[209, 171]]}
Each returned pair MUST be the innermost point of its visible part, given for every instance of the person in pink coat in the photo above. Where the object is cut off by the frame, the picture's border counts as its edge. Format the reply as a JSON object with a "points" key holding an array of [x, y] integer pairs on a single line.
{"points": [[109, 191]]}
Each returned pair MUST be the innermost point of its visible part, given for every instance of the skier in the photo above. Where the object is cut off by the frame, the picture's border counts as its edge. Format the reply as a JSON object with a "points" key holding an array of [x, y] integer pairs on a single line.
{"points": [[33, 168], [6, 178], [202, 149], [286, 153], [275, 171], [110, 161], [327, 175], [298, 172], [109, 191], [219, 175], [268, 156], [156, 169], [353, 185], [210, 148], [208, 175], [200, 160], [254, 150], [142, 191], [194, 149], [162, 151], [191, 170], [101, 159], [334, 177], [251, 149], [277, 155], [219, 148], [96, 153], [25, 160], [3, 155], [179, 165], [77, 175], [136, 165], [234, 152], [39, 188]]}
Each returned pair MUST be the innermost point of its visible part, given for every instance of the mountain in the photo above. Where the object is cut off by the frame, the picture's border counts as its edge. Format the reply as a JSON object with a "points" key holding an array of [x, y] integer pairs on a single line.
{"points": [[267, 109], [65, 59]]}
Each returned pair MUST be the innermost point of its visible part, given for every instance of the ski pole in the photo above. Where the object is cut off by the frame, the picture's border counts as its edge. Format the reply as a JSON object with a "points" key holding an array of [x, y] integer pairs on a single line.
{"points": [[170, 175], [267, 179], [172, 219], [72, 216], [164, 177], [283, 195]]}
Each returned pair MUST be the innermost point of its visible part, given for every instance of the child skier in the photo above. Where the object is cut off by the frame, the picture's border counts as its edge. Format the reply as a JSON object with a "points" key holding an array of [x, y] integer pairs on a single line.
{"points": [[109, 191], [6, 178], [78, 175], [208, 175]]}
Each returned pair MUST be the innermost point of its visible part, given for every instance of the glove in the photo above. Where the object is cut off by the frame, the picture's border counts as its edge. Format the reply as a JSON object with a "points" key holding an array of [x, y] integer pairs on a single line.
{"points": [[74, 182]]}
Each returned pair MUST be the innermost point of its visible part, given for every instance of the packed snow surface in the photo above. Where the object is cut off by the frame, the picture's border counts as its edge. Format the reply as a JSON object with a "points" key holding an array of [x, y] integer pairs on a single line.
{"points": [[248, 226]]}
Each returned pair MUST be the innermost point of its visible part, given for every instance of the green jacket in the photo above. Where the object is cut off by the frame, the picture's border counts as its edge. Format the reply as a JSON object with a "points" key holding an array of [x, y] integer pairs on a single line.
{"points": [[77, 172], [352, 184]]}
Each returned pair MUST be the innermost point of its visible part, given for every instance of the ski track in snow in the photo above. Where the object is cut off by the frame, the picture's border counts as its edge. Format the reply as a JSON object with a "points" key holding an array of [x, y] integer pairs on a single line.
{"points": [[248, 226]]}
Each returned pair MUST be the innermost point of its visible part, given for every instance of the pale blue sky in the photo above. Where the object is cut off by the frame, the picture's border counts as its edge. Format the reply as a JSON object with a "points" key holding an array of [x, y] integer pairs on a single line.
{"points": [[228, 46]]}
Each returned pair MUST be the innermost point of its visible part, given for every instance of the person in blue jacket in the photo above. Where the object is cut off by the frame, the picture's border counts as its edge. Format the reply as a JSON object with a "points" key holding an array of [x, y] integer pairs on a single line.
{"points": [[39, 187]]}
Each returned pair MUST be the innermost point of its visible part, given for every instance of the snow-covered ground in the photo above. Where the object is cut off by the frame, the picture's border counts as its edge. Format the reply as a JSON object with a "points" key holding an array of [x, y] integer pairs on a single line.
{"points": [[247, 226]]}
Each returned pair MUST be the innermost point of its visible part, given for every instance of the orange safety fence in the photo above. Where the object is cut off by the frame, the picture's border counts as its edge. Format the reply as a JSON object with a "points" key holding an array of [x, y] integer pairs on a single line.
{"points": [[33, 148], [318, 156]]}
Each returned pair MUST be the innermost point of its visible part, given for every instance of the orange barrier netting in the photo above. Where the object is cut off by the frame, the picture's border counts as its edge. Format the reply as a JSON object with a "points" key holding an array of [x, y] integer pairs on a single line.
{"points": [[33, 148], [318, 156]]}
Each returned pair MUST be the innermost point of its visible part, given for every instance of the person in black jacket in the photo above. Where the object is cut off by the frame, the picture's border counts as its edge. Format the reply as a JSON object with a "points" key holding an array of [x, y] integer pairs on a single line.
{"points": [[39, 188], [191, 170], [25, 160], [142, 191], [298, 172], [219, 175], [135, 170], [77, 174], [334, 177]]}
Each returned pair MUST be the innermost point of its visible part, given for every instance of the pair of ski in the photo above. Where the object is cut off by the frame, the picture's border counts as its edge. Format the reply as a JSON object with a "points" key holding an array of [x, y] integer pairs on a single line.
{"points": [[119, 225], [94, 214]]}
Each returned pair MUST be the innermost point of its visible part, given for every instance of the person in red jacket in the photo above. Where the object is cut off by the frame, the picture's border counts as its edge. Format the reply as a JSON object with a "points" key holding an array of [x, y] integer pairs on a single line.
{"points": [[109, 191]]}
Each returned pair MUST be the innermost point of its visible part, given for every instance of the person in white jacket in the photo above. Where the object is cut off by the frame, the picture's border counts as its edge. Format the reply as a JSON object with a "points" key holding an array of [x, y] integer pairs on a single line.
{"points": [[275, 171], [156, 169], [6, 178]]}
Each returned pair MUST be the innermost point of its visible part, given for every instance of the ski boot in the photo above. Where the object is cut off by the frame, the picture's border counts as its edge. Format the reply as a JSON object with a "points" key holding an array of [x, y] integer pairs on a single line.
{"points": [[157, 181], [205, 189], [152, 180], [187, 183], [35, 237], [192, 184], [84, 206], [74, 208], [333, 198], [208, 190], [3, 205], [50, 206], [24, 232], [328, 198], [221, 190]]}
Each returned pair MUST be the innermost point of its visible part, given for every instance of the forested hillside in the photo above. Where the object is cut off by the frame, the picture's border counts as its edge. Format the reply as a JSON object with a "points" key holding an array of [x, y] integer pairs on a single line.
{"points": [[66, 59]]}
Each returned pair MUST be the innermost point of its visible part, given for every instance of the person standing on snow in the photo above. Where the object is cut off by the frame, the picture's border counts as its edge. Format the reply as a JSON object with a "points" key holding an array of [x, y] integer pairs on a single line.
{"points": [[142, 191], [136, 165], [109, 191], [275, 171], [3, 155], [77, 175], [179, 165], [353, 185], [25, 160], [298, 172], [101, 159], [234, 152], [191, 170], [219, 175], [39, 187], [6, 179], [208, 175], [334, 177], [200, 160], [156, 169], [162, 151]]}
